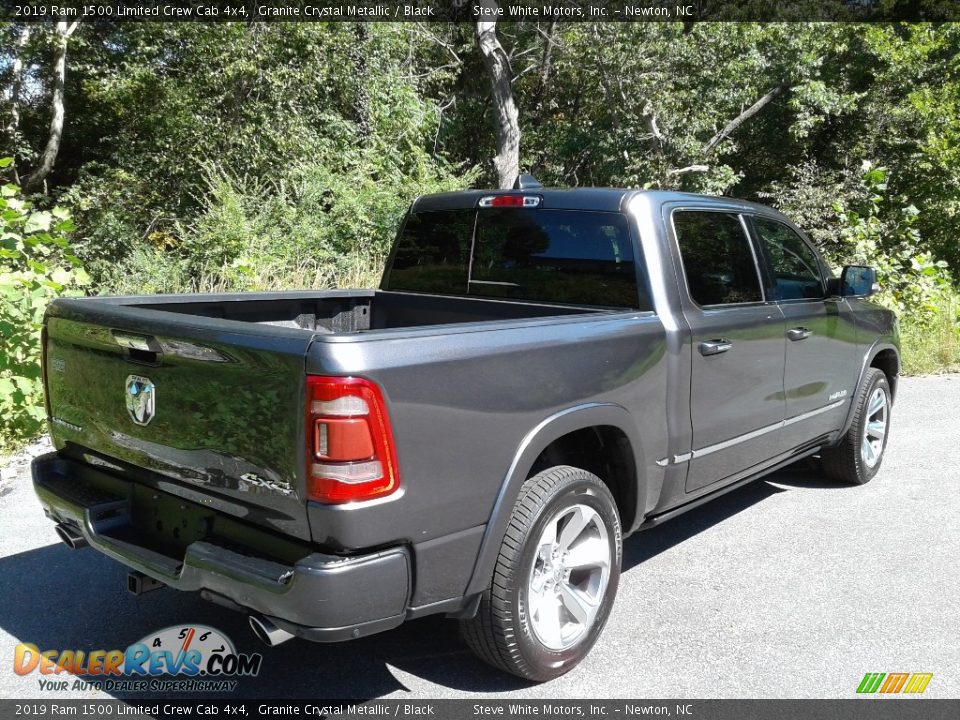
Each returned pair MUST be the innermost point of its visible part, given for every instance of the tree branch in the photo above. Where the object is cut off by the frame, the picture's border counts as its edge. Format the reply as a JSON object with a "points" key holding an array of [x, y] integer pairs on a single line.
{"points": [[546, 59], [688, 169], [16, 84], [657, 139], [422, 27], [740, 119]]}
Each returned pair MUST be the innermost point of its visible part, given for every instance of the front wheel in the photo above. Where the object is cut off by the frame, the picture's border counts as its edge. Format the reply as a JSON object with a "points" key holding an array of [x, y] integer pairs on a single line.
{"points": [[858, 455], [555, 578]]}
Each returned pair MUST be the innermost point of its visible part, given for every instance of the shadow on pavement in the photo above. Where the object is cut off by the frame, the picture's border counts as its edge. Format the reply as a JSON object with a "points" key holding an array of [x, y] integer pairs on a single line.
{"points": [[57, 598], [650, 543]]}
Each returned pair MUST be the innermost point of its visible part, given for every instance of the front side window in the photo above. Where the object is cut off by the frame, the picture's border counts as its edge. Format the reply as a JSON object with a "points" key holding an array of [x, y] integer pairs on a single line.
{"points": [[717, 260], [793, 270]]}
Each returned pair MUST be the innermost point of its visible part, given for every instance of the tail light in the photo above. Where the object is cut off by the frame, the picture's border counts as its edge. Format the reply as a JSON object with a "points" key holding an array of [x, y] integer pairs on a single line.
{"points": [[350, 454]]}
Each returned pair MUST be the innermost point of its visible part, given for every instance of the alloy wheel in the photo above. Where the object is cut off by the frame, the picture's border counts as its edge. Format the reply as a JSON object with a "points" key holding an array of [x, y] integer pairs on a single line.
{"points": [[569, 576]]}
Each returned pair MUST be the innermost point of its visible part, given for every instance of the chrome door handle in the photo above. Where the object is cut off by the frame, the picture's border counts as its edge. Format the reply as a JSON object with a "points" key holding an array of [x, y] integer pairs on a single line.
{"points": [[715, 347], [799, 333]]}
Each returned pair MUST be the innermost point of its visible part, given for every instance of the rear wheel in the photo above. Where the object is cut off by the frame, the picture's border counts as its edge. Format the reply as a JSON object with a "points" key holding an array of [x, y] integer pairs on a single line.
{"points": [[555, 578], [858, 455]]}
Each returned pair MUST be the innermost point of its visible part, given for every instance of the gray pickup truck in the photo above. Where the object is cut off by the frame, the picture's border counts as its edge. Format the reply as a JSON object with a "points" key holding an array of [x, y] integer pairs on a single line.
{"points": [[542, 373]]}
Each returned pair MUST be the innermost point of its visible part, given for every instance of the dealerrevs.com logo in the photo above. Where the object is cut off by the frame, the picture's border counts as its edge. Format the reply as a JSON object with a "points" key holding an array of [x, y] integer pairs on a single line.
{"points": [[193, 658]]}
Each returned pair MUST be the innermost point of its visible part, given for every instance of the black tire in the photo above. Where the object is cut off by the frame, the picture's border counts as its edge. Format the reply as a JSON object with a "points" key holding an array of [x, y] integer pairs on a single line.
{"points": [[502, 632], [845, 461]]}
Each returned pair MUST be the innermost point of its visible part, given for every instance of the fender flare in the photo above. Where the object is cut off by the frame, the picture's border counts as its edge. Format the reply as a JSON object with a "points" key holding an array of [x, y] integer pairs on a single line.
{"points": [[534, 443], [878, 346]]}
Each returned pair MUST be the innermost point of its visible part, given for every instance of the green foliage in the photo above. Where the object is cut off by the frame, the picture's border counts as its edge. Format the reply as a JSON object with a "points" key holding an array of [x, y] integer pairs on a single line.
{"points": [[218, 156], [231, 155], [917, 286], [36, 265], [321, 223]]}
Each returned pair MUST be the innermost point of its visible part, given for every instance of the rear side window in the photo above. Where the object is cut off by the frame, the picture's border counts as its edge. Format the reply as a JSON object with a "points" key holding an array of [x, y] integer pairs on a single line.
{"points": [[558, 256], [433, 252], [793, 270], [716, 256]]}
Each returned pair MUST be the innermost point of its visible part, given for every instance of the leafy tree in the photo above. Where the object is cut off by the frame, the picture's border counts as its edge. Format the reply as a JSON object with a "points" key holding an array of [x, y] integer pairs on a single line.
{"points": [[36, 265], [237, 155]]}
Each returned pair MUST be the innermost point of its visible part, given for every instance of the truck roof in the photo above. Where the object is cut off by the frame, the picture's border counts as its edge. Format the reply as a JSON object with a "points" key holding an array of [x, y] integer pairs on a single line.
{"points": [[584, 198]]}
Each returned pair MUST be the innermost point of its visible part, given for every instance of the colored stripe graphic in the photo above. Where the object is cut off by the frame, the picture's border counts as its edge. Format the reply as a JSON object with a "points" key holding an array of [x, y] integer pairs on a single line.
{"points": [[870, 682], [918, 682], [913, 683], [894, 683]]}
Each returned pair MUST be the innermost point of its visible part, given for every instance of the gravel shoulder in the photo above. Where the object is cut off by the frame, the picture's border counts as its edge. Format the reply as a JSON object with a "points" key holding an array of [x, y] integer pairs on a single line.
{"points": [[790, 587]]}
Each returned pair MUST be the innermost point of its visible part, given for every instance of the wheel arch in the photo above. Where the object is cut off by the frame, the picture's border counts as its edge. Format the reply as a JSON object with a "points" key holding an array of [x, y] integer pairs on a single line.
{"points": [[887, 359], [884, 356], [607, 423]]}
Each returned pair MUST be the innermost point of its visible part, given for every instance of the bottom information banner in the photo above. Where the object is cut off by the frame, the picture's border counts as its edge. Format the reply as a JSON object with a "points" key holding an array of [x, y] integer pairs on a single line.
{"points": [[865, 709]]}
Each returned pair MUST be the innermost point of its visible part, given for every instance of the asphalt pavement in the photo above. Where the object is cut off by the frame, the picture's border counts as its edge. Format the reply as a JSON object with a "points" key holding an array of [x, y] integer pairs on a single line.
{"points": [[790, 587]]}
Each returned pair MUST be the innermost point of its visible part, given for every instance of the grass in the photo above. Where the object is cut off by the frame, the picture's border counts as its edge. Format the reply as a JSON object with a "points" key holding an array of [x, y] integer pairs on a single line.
{"points": [[934, 347], [357, 272], [150, 272]]}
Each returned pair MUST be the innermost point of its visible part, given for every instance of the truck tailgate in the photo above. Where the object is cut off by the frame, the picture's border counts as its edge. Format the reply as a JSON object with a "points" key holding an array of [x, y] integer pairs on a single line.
{"points": [[212, 415]]}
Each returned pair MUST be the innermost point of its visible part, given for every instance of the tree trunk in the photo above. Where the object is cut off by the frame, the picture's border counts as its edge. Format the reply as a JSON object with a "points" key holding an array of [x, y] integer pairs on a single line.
{"points": [[546, 66], [49, 157], [507, 160], [16, 83], [361, 102]]}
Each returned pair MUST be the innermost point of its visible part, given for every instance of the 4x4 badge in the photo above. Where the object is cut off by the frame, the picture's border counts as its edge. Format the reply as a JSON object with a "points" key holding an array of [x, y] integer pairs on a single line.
{"points": [[141, 398]]}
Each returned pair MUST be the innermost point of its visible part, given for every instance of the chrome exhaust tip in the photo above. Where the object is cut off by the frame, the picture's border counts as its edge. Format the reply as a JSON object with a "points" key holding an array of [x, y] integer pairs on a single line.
{"points": [[267, 632], [70, 537]]}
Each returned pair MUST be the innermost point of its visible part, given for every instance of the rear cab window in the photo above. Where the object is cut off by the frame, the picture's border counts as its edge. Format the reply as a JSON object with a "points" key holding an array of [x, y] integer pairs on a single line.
{"points": [[570, 257], [717, 259]]}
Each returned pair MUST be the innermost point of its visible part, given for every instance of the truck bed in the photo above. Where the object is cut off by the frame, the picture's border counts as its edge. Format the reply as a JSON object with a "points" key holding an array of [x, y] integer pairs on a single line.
{"points": [[229, 374], [349, 311]]}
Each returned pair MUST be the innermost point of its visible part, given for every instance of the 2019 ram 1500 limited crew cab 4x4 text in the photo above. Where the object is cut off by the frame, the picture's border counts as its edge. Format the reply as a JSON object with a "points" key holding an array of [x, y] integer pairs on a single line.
{"points": [[541, 373]]}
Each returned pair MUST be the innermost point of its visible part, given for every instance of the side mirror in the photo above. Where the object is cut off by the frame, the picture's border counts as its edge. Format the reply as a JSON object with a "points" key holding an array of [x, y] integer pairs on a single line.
{"points": [[854, 281]]}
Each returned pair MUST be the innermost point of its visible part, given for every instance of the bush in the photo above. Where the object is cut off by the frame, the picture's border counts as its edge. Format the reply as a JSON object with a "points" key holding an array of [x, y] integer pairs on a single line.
{"points": [[328, 222], [36, 265], [914, 284]]}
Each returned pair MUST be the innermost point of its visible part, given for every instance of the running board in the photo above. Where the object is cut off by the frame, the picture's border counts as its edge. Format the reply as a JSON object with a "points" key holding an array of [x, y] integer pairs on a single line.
{"points": [[660, 518]]}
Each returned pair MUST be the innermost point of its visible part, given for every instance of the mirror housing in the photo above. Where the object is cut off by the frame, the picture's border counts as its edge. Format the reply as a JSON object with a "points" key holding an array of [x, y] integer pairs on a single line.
{"points": [[854, 281]]}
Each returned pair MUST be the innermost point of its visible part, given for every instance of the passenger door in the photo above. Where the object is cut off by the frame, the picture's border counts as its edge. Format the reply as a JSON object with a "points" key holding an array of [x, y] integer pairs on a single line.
{"points": [[821, 356], [736, 393]]}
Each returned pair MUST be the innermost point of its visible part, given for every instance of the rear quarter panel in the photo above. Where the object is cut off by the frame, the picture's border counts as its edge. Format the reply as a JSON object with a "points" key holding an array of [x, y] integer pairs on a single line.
{"points": [[462, 400]]}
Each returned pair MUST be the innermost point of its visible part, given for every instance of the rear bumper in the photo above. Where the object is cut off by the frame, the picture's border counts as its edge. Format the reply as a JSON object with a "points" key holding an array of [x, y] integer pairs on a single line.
{"points": [[319, 597]]}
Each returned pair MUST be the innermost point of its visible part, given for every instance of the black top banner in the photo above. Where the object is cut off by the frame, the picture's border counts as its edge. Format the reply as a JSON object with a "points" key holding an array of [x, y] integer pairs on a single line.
{"points": [[479, 10]]}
